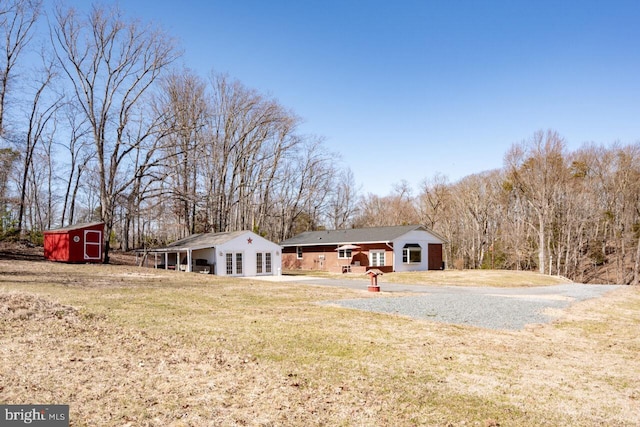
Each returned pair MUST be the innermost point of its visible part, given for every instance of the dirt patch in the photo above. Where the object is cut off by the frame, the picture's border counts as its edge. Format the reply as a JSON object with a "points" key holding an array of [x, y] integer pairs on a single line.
{"points": [[19, 306], [122, 258], [23, 250]]}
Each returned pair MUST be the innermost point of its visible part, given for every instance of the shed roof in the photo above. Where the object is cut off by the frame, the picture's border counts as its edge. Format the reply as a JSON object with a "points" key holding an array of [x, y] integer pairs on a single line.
{"points": [[353, 236], [79, 226]]}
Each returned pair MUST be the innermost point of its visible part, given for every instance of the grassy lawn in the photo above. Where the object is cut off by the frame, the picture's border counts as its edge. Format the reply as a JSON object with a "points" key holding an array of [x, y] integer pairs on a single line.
{"points": [[137, 347], [499, 278]]}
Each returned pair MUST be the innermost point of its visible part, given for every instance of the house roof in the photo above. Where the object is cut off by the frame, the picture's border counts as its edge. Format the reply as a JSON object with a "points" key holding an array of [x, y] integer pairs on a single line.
{"points": [[74, 227], [353, 235], [201, 241]]}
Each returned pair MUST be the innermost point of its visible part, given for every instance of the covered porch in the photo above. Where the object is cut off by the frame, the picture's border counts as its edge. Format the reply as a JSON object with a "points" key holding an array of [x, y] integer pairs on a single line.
{"points": [[180, 259]]}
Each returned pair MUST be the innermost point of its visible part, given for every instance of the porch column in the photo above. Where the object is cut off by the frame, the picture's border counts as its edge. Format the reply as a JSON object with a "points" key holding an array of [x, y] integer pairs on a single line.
{"points": [[166, 260], [188, 269]]}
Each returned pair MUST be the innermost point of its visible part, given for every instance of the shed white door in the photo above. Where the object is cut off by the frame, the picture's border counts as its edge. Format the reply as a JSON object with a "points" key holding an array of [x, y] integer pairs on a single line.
{"points": [[92, 244]]}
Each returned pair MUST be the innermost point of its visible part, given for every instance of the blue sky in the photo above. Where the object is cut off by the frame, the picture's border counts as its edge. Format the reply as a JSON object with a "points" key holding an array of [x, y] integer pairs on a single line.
{"points": [[403, 90]]}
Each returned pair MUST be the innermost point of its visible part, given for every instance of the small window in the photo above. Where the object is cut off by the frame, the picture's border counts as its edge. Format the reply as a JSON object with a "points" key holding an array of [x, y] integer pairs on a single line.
{"points": [[412, 253], [299, 252], [344, 253]]}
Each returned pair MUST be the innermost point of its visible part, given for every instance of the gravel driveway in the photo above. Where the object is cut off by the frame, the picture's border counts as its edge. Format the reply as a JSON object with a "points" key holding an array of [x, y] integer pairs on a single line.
{"points": [[485, 307]]}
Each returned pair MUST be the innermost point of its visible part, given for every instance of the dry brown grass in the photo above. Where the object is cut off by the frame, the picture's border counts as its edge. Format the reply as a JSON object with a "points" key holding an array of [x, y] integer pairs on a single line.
{"points": [[498, 278], [137, 347]]}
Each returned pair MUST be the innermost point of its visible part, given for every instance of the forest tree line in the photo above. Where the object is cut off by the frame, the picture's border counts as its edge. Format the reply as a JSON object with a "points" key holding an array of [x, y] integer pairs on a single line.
{"points": [[574, 214], [98, 122]]}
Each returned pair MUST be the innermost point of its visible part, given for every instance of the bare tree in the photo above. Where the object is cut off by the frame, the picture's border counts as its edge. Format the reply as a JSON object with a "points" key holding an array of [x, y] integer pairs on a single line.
{"points": [[78, 160], [274, 156], [249, 152], [344, 201], [111, 64], [475, 202], [17, 18], [433, 200], [8, 160], [44, 106], [301, 193], [537, 172], [184, 104], [40, 199], [397, 208]]}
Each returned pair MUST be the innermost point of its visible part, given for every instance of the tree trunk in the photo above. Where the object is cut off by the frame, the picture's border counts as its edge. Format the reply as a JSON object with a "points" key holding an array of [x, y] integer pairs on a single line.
{"points": [[636, 266], [541, 245]]}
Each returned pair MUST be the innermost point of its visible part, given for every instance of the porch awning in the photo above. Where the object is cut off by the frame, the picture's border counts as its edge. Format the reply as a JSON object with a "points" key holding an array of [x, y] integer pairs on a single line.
{"points": [[345, 247]]}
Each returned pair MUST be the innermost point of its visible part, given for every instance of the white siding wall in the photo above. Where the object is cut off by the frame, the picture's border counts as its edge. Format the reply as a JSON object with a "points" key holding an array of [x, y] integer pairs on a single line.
{"points": [[420, 237], [248, 250]]}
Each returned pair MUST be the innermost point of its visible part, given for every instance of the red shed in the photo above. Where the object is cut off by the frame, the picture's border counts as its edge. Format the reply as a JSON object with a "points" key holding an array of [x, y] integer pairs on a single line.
{"points": [[75, 243]]}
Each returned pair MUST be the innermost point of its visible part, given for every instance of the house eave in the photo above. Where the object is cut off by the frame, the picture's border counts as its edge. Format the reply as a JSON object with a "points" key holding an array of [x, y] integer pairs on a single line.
{"points": [[338, 243], [180, 249]]}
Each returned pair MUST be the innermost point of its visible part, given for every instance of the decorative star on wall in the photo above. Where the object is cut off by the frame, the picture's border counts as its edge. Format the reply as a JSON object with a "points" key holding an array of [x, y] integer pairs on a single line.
{"points": [[249, 240]]}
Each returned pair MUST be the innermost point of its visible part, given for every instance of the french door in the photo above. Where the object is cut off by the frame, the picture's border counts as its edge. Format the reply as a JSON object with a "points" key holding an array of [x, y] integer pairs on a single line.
{"points": [[376, 258], [234, 264]]}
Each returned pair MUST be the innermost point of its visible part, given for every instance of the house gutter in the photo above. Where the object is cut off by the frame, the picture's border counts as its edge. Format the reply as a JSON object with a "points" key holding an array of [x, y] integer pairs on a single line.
{"points": [[332, 243]]}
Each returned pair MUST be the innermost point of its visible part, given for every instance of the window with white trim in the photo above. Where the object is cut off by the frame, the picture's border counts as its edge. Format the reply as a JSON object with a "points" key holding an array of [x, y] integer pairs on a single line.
{"points": [[344, 253], [299, 252], [412, 253]]}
